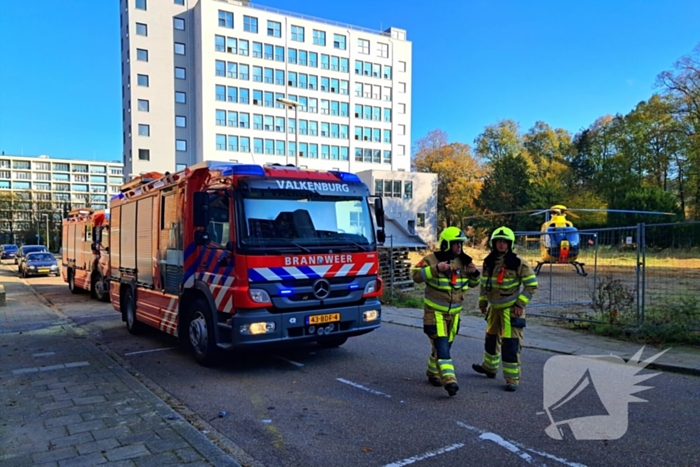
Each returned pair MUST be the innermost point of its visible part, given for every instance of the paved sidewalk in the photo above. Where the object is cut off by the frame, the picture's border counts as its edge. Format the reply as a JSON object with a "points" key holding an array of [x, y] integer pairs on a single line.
{"points": [[63, 402], [538, 335]]}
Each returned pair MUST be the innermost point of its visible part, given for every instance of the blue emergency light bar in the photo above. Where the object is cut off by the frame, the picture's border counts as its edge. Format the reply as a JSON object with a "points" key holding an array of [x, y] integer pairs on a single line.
{"points": [[286, 292], [116, 197], [240, 169], [346, 176]]}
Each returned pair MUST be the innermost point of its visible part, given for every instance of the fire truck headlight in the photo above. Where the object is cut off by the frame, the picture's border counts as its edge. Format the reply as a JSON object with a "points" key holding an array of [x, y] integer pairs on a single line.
{"points": [[371, 287], [370, 315], [260, 296], [257, 328]]}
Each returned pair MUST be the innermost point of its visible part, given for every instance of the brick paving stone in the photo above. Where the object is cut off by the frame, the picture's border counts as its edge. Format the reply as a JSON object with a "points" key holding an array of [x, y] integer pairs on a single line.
{"points": [[56, 405], [157, 460], [55, 455], [64, 420], [126, 452], [113, 432], [188, 455], [139, 437], [161, 445], [72, 440], [101, 445], [86, 426], [88, 460], [89, 400]]}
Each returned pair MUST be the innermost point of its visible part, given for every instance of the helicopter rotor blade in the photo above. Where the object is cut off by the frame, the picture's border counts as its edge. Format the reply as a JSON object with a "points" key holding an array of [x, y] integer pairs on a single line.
{"points": [[625, 211]]}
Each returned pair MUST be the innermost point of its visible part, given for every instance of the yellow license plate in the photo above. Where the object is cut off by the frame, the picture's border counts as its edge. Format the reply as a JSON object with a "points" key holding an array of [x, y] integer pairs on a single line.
{"points": [[323, 319], [42, 271]]}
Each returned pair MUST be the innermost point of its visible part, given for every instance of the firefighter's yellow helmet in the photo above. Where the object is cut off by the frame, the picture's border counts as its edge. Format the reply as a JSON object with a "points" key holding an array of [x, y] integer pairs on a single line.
{"points": [[449, 235], [503, 233]]}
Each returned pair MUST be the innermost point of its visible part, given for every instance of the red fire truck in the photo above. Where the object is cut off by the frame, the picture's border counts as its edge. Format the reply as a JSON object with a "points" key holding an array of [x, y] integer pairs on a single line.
{"points": [[85, 257], [226, 256]]}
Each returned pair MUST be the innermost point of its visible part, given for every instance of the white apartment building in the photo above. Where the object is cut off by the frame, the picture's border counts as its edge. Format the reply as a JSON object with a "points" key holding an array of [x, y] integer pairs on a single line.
{"points": [[233, 81], [44, 185]]}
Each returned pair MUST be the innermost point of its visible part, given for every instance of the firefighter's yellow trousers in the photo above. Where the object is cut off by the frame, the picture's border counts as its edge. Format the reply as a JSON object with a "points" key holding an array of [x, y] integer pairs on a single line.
{"points": [[441, 329], [503, 333]]}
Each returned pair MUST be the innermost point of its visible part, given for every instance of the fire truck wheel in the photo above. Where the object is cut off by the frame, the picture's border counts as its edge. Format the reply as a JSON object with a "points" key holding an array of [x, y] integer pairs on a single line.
{"points": [[129, 306], [100, 287], [201, 333], [71, 282], [332, 342]]}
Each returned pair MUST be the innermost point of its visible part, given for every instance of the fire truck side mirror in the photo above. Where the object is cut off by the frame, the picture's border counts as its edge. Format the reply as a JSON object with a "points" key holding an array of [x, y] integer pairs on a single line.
{"points": [[381, 236], [200, 209], [379, 212]]}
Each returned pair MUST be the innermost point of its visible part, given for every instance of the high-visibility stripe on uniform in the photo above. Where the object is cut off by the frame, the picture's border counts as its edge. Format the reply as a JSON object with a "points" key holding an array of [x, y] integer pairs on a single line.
{"points": [[491, 362], [511, 371], [507, 330], [529, 281], [525, 297], [504, 302], [455, 327], [432, 367], [442, 306], [447, 371]]}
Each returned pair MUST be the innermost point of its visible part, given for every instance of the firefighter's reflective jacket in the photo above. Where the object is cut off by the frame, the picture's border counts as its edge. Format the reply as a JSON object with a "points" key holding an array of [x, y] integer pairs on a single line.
{"points": [[445, 291], [502, 276]]}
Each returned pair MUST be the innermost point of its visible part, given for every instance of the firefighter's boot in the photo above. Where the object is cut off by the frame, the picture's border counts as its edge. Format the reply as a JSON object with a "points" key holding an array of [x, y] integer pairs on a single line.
{"points": [[432, 372], [511, 386], [452, 389], [480, 369]]}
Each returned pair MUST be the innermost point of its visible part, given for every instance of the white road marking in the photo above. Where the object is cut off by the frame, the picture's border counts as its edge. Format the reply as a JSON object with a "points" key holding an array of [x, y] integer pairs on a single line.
{"points": [[508, 445], [43, 354], [60, 366], [426, 455], [149, 351], [288, 360], [516, 447], [359, 386]]}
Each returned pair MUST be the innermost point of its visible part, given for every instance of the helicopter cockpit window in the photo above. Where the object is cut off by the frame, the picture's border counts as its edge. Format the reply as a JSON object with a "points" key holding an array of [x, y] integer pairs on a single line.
{"points": [[555, 236], [219, 222]]}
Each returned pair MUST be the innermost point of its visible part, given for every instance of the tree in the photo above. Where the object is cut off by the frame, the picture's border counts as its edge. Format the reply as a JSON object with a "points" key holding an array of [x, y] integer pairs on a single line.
{"points": [[545, 149], [506, 188], [498, 141], [459, 175]]}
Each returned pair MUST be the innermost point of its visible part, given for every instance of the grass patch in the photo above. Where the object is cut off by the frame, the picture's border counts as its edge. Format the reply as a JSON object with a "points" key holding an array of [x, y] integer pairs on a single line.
{"points": [[403, 298]]}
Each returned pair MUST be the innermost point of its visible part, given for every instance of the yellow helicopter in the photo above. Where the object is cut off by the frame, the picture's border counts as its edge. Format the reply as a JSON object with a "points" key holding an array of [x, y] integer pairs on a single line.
{"points": [[560, 242]]}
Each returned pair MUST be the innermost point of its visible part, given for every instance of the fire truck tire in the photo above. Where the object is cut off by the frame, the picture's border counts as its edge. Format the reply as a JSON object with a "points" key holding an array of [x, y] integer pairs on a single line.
{"points": [[202, 339], [100, 287], [332, 342], [134, 326], [71, 282]]}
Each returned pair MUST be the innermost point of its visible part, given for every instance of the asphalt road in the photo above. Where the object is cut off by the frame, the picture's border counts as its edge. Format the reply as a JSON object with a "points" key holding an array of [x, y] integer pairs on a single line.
{"points": [[368, 403]]}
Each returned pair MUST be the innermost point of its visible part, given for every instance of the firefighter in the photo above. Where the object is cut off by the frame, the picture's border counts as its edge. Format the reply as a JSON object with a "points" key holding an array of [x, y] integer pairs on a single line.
{"points": [[503, 302], [447, 273]]}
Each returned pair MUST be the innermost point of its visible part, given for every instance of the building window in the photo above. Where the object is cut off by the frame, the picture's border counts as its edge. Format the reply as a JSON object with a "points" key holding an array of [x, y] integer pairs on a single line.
{"points": [[143, 105], [387, 157], [402, 66], [180, 145], [402, 149], [402, 108], [144, 130], [298, 33], [363, 46], [144, 154], [402, 87], [407, 189], [338, 41], [142, 80], [220, 142], [140, 4], [179, 73], [378, 185], [225, 19], [274, 29], [180, 121], [421, 219], [319, 37], [382, 50], [180, 97], [411, 227], [179, 24], [179, 48], [179, 2], [141, 29], [250, 24], [142, 55]]}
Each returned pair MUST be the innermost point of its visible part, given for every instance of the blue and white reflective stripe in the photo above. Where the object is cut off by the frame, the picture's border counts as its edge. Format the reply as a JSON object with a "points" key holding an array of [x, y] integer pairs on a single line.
{"points": [[277, 274], [342, 272], [365, 269]]}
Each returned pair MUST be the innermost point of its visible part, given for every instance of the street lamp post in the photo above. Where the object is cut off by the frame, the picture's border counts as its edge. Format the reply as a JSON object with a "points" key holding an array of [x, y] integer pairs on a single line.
{"points": [[47, 231], [294, 104]]}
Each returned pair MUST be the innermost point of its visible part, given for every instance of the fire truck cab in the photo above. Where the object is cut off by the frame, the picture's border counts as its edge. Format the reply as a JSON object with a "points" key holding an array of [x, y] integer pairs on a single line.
{"points": [[85, 255], [226, 256]]}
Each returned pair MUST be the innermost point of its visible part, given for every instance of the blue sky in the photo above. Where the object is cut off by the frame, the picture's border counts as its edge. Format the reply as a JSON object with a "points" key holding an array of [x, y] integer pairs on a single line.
{"points": [[474, 63]]}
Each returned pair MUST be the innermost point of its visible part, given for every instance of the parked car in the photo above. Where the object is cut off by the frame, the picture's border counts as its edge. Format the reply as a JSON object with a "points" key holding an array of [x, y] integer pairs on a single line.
{"points": [[24, 251], [39, 264], [8, 251]]}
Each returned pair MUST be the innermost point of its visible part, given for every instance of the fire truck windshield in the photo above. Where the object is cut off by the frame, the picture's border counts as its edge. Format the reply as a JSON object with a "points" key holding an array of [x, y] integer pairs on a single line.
{"points": [[305, 222]]}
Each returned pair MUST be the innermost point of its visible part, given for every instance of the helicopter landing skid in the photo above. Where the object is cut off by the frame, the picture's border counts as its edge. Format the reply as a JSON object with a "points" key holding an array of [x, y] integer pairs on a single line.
{"points": [[578, 266]]}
